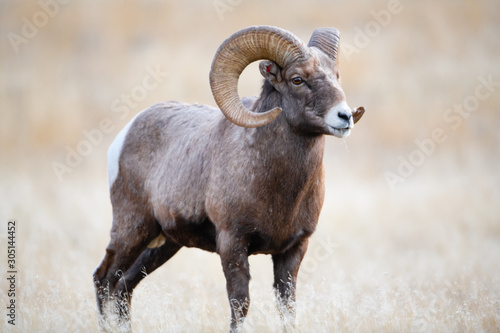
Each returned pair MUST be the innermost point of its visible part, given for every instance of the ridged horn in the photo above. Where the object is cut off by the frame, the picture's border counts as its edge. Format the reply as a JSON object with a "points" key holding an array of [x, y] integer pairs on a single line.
{"points": [[237, 52], [327, 40]]}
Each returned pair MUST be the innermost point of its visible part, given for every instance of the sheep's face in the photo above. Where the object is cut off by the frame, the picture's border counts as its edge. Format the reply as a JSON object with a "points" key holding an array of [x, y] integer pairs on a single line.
{"points": [[312, 99]]}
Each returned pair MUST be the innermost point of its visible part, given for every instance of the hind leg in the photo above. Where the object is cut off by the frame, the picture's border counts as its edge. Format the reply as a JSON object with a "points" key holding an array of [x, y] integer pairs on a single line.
{"points": [[132, 231], [149, 260]]}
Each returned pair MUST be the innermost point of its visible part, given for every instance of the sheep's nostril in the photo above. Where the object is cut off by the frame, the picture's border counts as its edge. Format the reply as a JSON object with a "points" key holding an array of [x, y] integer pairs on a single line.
{"points": [[344, 116]]}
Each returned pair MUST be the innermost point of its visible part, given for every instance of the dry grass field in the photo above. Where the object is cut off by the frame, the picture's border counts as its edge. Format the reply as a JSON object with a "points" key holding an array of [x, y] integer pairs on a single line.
{"points": [[409, 236]]}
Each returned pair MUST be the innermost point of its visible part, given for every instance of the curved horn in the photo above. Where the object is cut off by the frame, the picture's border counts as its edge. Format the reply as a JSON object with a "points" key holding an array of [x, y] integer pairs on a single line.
{"points": [[235, 53], [327, 40]]}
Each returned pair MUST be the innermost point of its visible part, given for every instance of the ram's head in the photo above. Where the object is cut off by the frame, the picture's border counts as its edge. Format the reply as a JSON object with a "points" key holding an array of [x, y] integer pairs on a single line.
{"points": [[305, 76]]}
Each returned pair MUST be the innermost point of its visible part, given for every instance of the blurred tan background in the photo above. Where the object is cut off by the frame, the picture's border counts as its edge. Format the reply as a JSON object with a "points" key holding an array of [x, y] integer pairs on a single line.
{"points": [[412, 197]]}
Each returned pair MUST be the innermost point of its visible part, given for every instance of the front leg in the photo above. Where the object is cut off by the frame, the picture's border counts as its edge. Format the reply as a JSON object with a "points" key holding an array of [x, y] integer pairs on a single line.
{"points": [[233, 252], [286, 268]]}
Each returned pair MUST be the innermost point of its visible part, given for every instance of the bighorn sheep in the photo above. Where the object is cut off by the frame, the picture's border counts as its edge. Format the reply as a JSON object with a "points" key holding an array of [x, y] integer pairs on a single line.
{"points": [[247, 183]]}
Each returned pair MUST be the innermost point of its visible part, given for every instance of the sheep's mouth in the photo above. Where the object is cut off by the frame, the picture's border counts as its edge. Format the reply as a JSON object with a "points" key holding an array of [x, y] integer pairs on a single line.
{"points": [[339, 132]]}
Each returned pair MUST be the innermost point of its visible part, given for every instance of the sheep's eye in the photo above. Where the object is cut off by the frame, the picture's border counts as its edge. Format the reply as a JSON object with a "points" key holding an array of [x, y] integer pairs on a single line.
{"points": [[297, 80]]}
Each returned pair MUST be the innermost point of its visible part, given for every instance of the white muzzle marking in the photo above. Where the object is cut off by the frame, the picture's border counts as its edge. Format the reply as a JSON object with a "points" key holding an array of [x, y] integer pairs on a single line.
{"points": [[339, 120]]}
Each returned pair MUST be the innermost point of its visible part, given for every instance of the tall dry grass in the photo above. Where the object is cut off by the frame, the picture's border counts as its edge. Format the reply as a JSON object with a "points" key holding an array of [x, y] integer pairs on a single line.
{"points": [[422, 257]]}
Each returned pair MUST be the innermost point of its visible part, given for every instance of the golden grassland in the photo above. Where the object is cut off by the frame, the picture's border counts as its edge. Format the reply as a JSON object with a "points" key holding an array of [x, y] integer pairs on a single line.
{"points": [[420, 256]]}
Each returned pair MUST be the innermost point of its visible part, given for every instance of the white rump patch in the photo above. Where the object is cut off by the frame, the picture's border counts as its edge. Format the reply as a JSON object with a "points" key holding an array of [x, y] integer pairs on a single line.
{"points": [[115, 151]]}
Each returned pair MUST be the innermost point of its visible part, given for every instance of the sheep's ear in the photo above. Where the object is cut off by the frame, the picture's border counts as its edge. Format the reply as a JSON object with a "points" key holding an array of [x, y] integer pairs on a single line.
{"points": [[271, 71], [358, 113]]}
